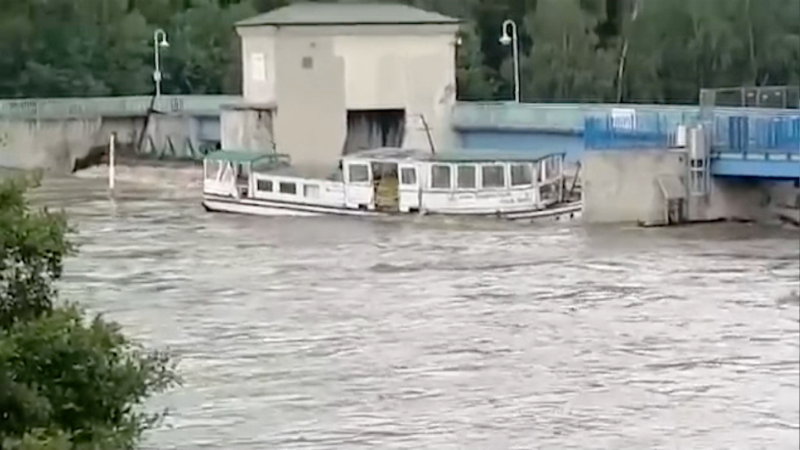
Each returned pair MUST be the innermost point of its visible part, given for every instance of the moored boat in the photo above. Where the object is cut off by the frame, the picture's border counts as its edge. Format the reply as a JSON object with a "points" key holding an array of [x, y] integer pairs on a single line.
{"points": [[384, 181]]}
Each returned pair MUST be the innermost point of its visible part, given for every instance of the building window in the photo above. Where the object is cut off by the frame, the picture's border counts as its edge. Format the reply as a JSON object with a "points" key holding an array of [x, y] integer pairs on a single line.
{"points": [[493, 176], [264, 185], [408, 175], [311, 190], [358, 173], [521, 174], [286, 187], [440, 176], [466, 177], [308, 62]]}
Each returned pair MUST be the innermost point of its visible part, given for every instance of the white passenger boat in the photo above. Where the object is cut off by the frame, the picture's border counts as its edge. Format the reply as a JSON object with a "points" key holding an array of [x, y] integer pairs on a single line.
{"points": [[384, 181]]}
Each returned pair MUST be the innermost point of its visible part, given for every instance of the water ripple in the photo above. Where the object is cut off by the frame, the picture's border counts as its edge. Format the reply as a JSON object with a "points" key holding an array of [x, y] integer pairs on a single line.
{"points": [[298, 334]]}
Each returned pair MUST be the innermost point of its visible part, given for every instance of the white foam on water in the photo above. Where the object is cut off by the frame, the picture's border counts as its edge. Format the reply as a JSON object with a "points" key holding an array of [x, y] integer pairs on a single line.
{"points": [[179, 178]]}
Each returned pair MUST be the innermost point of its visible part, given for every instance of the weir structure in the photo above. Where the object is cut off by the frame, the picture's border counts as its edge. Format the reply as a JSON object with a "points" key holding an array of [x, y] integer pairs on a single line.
{"points": [[720, 164]]}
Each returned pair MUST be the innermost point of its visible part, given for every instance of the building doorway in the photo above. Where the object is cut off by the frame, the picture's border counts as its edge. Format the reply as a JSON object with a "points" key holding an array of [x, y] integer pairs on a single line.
{"points": [[369, 129]]}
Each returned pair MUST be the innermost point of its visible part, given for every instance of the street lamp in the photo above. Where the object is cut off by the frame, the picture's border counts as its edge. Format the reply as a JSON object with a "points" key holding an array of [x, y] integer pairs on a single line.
{"points": [[505, 39], [159, 41]]}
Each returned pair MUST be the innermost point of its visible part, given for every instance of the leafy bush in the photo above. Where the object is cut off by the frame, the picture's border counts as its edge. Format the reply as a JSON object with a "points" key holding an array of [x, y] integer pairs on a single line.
{"points": [[66, 382]]}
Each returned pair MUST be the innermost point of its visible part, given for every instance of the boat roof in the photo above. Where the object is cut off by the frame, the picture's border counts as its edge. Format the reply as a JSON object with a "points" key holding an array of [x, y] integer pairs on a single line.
{"points": [[240, 156], [452, 156]]}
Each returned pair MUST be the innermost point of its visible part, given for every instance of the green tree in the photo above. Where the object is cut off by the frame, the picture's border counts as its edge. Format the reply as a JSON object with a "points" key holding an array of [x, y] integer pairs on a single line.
{"points": [[472, 75], [566, 62], [203, 50], [65, 382], [573, 50]]}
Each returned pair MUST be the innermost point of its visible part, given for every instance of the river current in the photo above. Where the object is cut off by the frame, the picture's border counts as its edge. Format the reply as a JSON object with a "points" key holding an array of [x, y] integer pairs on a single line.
{"points": [[442, 334]]}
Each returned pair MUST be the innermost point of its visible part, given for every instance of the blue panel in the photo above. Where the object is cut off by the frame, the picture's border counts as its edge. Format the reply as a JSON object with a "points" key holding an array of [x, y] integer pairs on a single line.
{"points": [[606, 132], [572, 145], [786, 170], [768, 133]]}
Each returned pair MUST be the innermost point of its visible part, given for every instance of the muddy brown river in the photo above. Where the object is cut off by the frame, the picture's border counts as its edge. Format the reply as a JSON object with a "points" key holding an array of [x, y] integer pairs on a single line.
{"points": [[442, 334]]}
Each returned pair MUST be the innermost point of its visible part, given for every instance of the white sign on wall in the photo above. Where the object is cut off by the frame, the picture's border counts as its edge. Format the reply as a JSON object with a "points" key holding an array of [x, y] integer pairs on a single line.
{"points": [[258, 67], [623, 118]]}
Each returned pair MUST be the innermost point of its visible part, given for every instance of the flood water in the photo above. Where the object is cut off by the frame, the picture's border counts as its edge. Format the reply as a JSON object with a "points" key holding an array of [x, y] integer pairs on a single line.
{"points": [[441, 334]]}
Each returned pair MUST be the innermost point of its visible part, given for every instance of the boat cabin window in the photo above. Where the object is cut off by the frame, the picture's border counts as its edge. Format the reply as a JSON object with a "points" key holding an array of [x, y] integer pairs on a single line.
{"points": [[264, 185], [286, 187], [212, 169], [358, 173], [311, 190], [440, 176], [494, 176], [408, 175], [550, 167], [466, 177], [521, 174]]}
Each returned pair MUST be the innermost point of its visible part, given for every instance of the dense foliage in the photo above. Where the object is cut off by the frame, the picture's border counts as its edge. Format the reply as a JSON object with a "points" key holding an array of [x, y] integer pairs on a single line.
{"points": [[65, 382], [572, 50]]}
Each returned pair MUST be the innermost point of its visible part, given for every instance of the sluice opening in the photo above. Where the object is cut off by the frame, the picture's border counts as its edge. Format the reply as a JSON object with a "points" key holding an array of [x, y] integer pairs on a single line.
{"points": [[368, 129]]}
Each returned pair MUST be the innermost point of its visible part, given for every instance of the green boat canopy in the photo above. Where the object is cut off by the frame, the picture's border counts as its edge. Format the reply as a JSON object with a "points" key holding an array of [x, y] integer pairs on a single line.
{"points": [[243, 157]]}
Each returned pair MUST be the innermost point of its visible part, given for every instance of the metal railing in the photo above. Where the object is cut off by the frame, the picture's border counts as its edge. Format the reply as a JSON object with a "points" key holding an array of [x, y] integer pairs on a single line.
{"points": [[639, 131], [784, 97], [761, 133], [768, 134]]}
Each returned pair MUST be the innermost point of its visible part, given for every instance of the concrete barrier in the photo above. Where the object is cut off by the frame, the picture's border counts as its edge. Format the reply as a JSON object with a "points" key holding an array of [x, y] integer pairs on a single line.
{"points": [[630, 185], [61, 145]]}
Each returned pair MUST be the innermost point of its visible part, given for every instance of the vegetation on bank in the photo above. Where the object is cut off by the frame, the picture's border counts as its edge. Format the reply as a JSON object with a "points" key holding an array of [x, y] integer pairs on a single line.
{"points": [[67, 382], [572, 50]]}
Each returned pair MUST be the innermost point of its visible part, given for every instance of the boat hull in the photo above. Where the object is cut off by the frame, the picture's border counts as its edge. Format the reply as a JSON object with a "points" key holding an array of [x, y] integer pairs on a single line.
{"points": [[560, 213]]}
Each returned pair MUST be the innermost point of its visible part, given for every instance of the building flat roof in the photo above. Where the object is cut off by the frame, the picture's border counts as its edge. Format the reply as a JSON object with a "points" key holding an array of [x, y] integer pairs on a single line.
{"points": [[305, 14]]}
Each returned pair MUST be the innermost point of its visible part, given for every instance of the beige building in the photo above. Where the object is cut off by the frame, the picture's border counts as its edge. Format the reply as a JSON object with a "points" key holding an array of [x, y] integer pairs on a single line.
{"points": [[325, 79]]}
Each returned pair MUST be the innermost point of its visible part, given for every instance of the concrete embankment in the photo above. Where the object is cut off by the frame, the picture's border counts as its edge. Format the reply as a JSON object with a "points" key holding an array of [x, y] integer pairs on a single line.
{"points": [[651, 187]]}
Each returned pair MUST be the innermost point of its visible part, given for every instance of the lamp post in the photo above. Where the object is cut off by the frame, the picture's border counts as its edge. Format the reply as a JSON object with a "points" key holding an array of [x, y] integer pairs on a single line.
{"points": [[159, 41], [507, 39]]}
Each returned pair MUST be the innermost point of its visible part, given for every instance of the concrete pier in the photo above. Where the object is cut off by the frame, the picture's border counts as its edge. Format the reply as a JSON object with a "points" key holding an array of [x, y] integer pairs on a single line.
{"points": [[632, 185]]}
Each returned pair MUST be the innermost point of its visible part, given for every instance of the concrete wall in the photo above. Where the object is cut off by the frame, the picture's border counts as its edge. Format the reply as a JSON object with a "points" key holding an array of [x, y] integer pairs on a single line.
{"points": [[258, 64], [315, 74], [247, 129], [55, 144], [747, 199], [47, 144], [311, 122], [623, 186], [571, 144]]}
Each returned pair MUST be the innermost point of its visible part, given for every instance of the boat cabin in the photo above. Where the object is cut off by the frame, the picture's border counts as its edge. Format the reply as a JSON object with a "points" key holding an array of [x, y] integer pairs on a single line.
{"points": [[228, 173], [464, 181], [397, 180]]}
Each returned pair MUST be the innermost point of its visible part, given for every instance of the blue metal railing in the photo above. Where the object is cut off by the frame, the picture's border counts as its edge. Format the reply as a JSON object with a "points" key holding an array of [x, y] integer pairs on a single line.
{"points": [[763, 133], [767, 134], [637, 131]]}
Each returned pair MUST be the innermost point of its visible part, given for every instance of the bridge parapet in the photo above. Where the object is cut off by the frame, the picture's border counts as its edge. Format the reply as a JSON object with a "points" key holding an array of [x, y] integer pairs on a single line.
{"points": [[758, 134], [626, 129], [137, 106], [767, 132]]}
